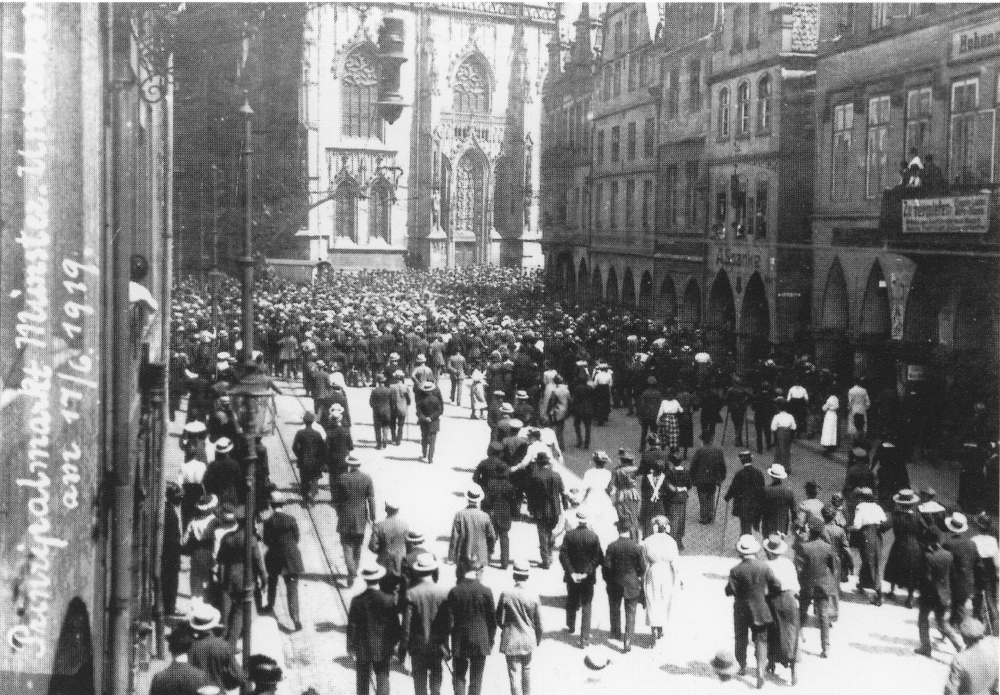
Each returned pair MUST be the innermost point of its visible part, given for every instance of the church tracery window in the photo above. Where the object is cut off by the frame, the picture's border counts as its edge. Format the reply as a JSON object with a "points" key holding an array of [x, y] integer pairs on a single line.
{"points": [[469, 194], [359, 95], [472, 87], [345, 212], [379, 207]]}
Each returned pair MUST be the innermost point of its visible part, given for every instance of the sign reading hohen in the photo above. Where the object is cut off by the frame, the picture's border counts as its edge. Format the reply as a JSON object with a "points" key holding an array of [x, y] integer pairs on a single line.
{"points": [[965, 214]]}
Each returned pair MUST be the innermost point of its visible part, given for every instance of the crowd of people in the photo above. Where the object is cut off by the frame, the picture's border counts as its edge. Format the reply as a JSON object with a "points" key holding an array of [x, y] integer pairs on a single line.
{"points": [[527, 366]]}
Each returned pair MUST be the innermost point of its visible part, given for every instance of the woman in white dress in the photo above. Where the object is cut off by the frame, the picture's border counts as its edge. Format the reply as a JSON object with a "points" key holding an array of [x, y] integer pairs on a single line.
{"points": [[477, 393], [828, 438], [661, 578], [598, 504]]}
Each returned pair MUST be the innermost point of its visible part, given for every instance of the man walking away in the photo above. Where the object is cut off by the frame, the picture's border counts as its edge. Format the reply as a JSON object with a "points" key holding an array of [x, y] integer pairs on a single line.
{"points": [[380, 401], [472, 534], [816, 563], [647, 408], [471, 619], [964, 555], [935, 593], [422, 637], [745, 491], [545, 494], [388, 542], [372, 633], [580, 557], [708, 471], [309, 448], [520, 621], [582, 409], [354, 500], [429, 411], [283, 558], [400, 405], [624, 567], [750, 582]]}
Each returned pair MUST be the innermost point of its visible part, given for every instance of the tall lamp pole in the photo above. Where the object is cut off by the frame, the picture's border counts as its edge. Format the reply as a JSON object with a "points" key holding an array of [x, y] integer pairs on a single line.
{"points": [[248, 335]]}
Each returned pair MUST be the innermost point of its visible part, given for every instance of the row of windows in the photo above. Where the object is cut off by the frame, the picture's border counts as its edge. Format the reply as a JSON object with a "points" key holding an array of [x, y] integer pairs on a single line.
{"points": [[971, 140], [684, 195], [740, 211], [748, 23], [606, 211], [346, 202], [742, 125], [569, 126], [627, 31], [631, 134], [671, 79], [631, 68]]}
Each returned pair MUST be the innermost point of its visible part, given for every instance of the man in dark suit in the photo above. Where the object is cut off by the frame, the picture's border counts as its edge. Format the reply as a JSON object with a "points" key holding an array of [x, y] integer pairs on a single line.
{"points": [[233, 575], [745, 490], [388, 542], [750, 582], [180, 677], [414, 548], [472, 535], [580, 557], [624, 567], [380, 401], [934, 585], [372, 633], [400, 405], [816, 562], [309, 448], [964, 557], [647, 409], [708, 470], [582, 410], [470, 614], [544, 490], [778, 508], [423, 639], [430, 407], [283, 559], [212, 654], [223, 477], [501, 503], [170, 559], [354, 499]]}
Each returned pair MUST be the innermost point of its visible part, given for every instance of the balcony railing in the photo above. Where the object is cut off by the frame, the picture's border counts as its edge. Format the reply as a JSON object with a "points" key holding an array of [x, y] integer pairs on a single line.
{"points": [[957, 214]]}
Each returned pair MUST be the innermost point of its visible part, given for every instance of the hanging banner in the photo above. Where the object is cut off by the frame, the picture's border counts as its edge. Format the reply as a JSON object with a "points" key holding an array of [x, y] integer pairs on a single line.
{"points": [[49, 355], [965, 214]]}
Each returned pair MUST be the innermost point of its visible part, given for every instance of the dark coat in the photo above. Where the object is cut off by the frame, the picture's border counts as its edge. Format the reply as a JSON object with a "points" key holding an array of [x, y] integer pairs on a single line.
{"points": [[171, 558], [964, 557], [388, 542], [745, 491], [281, 536], [422, 619], [777, 510], [489, 467], [581, 553], [214, 656], [381, 402], [470, 614], [648, 405], [545, 494], [338, 396], [309, 449], [582, 401], [750, 581], [224, 478], [935, 578], [231, 564], [624, 566], [708, 466], [354, 498], [816, 563], [179, 678], [500, 501], [339, 444], [429, 411], [373, 628]]}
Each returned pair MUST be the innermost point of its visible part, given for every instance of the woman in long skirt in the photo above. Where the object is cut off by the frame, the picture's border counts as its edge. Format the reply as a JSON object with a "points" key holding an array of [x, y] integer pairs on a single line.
{"points": [[477, 393], [685, 421], [783, 632], [199, 543], [902, 569], [660, 580], [871, 521], [653, 494], [783, 426], [603, 381], [678, 484], [828, 437], [667, 417]]}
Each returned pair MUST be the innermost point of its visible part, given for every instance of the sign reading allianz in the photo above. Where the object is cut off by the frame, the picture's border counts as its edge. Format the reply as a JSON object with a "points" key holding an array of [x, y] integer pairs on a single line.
{"points": [[975, 41], [965, 214]]}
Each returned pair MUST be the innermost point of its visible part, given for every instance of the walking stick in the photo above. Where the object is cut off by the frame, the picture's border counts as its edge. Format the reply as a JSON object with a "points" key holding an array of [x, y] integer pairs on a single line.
{"points": [[715, 507], [725, 425], [725, 528]]}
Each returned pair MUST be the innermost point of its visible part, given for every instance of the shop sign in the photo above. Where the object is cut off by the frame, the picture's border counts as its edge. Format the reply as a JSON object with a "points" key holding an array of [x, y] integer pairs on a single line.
{"points": [[975, 41], [728, 258], [966, 214]]}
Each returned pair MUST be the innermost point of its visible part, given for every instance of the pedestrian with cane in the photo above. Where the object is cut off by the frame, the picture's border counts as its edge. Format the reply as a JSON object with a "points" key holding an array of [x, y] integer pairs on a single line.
{"points": [[708, 471]]}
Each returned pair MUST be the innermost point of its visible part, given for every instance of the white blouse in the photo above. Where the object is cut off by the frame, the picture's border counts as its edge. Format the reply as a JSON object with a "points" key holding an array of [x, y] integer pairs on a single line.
{"points": [[671, 407]]}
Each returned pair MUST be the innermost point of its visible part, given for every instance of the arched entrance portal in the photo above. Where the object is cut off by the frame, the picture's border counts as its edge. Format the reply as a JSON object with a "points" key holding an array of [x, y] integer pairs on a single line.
{"points": [[611, 293], [597, 287], [755, 324], [469, 233], [690, 316], [668, 302], [628, 290], [871, 357], [646, 295], [833, 343], [721, 316], [583, 285]]}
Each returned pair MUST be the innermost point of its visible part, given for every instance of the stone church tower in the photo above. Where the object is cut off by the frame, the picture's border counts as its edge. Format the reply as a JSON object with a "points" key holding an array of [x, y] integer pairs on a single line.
{"points": [[454, 180]]}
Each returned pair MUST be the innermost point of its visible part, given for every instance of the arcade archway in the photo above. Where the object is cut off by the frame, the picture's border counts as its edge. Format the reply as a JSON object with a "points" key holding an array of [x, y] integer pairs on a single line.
{"points": [[833, 343], [690, 312], [611, 293], [646, 295], [583, 284], [871, 357], [597, 287], [668, 301], [721, 316], [755, 324], [628, 289]]}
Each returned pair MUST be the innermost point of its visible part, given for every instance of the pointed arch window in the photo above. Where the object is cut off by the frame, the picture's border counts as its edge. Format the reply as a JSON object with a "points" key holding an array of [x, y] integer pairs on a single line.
{"points": [[472, 89], [345, 211], [379, 210], [359, 95]]}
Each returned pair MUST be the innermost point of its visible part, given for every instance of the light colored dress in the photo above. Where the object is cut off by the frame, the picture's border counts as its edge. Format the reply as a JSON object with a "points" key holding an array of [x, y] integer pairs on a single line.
{"points": [[660, 580], [829, 435], [599, 506]]}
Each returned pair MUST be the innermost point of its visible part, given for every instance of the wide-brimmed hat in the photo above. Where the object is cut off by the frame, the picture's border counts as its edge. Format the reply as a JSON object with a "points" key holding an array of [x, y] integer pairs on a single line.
{"points": [[393, 355], [596, 659], [414, 536], [957, 523], [263, 670], [865, 492], [775, 544], [725, 664], [372, 573], [421, 359], [859, 452], [425, 562], [224, 445], [777, 471], [516, 424], [207, 503], [195, 427], [507, 409], [521, 569], [746, 457], [474, 492], [521, 395], [204, 617], [353, 461], [427, 386], [626, 455], [581, 516], [337, 409], [747, 545], [906, 497]]}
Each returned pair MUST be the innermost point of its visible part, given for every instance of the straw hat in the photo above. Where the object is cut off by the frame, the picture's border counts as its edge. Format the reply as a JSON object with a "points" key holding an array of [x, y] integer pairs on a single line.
{"points": [[957, 523], [373, 573], [777, 471], [425, 563], [747, 545], [775, 544], [203, 617], [906, 497], [474, 493], [224, 445]]}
